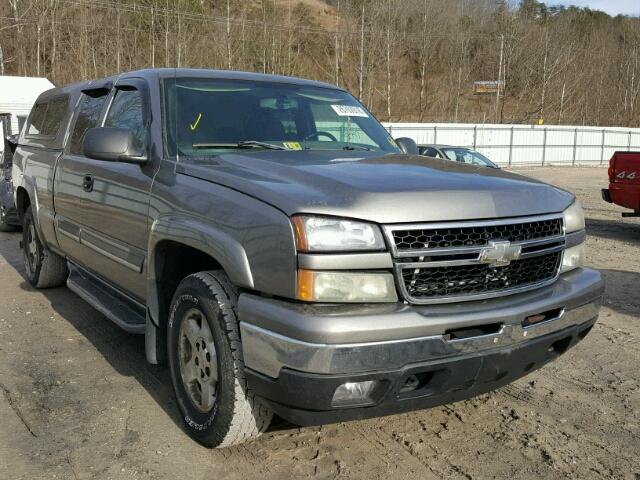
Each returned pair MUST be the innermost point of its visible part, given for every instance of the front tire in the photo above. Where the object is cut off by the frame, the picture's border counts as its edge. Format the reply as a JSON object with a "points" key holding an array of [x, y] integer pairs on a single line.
{"points": [[45, 269], [206, 364]]}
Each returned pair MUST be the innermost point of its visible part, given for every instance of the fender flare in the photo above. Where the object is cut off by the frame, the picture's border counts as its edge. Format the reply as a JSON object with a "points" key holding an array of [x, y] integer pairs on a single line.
{"points": [[29, 185], [194, 232]]}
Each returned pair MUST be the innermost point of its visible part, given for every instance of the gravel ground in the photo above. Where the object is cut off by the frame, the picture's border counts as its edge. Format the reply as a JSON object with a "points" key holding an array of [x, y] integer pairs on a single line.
{"points": [[78, 401]]}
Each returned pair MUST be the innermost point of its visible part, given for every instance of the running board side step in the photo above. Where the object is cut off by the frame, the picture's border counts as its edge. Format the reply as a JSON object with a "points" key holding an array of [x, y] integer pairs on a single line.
{"points": [[122, 310]]}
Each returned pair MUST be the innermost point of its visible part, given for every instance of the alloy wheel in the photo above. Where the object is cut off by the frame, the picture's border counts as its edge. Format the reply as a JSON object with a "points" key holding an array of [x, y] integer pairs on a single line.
{"points": [[198, 360]]}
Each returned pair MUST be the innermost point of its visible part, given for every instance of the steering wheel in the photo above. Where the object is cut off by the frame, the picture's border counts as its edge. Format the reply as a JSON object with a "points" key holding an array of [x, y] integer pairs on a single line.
{"points": [[318, 134]]}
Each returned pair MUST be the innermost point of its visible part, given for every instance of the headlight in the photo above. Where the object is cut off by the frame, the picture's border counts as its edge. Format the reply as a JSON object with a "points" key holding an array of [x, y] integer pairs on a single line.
{"points": [[574, 218], [573, 258], [346, 287], [322, 234], [573, 222]]}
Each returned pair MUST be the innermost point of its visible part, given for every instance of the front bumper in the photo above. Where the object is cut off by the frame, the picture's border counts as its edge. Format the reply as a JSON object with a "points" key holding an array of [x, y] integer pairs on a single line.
{"points": [[296, 355]]}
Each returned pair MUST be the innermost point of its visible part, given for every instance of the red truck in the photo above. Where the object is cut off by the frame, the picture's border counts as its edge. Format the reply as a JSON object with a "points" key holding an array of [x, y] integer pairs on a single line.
{"points": [[624, 182]]}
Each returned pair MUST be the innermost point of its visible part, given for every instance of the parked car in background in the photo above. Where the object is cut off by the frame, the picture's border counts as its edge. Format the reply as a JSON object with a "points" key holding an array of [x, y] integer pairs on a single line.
{"points": [[8, 215], [624, 182], [283, 254], [456, 154]]}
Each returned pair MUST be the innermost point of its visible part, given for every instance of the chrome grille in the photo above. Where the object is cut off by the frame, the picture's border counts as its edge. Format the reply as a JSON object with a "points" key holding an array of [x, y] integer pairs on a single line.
{"points": [[476, 235], [449, 262]]}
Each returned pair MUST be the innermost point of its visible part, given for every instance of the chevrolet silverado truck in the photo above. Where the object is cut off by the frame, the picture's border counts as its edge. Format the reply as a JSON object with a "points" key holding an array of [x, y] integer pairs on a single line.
{"points": [[624, 182], [283, 254]]}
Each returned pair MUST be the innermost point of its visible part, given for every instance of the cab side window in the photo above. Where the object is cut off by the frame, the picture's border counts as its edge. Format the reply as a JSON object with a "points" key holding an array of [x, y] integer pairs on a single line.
{"points": [[127, 111], [88, 117]]}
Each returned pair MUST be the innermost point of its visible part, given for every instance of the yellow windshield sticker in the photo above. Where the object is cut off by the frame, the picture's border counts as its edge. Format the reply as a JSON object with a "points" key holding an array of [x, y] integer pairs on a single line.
{"points": [[292, 145], [194, 125]]}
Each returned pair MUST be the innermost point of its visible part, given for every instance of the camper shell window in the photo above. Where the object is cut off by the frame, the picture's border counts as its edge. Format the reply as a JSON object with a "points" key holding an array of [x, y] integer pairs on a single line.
{"points": [[47, 116]]}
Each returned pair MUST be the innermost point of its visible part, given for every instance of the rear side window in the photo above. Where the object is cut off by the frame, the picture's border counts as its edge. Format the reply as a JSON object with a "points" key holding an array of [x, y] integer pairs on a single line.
{"points": [[429, 152], [88, 116], [46, 118]]}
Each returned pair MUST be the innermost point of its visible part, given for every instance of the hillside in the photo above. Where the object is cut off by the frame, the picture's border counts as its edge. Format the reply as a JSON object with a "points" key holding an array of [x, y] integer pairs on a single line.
{"points": [[412, 60]]}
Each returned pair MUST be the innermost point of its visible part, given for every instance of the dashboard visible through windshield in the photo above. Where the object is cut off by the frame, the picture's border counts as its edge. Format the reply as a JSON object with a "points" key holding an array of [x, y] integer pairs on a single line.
{"points": [[207, 117]]}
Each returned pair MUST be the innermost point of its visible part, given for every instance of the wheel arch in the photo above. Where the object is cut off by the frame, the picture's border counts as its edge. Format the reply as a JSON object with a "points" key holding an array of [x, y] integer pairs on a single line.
{"points": [[22, 200], [179, 247]]}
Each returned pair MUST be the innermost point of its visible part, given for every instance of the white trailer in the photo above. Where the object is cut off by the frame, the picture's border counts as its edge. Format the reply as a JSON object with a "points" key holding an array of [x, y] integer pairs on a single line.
{"points": [[17, 96]]}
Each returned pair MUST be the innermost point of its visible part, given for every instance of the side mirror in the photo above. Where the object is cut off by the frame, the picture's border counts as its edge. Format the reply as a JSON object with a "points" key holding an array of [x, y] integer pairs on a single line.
{"points": [[407, 145], [112, 145]]}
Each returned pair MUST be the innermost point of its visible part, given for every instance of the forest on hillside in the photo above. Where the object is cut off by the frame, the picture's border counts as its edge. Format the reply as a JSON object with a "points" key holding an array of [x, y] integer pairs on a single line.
{"points": [[407, 60]]}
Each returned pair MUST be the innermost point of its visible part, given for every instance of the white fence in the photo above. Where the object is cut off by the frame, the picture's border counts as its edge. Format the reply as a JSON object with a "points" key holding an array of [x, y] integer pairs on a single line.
{"points": [[527, 144]]}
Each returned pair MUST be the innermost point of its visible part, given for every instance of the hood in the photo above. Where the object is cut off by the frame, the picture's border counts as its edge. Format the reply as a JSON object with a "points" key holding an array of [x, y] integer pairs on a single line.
{"points": [[380, 188]]}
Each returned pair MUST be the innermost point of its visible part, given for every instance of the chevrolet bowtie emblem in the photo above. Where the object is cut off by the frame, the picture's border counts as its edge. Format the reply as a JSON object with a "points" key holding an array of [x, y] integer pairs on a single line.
{"points": [[500, 253]]}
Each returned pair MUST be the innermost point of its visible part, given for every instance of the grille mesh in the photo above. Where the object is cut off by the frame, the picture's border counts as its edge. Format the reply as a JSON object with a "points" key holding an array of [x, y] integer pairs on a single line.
{"points": [[476, 236], [461, 280]]}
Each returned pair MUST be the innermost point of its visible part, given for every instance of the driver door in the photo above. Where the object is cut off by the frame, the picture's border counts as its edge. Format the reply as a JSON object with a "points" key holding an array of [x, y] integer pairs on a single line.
{"points": [[116, 199]]}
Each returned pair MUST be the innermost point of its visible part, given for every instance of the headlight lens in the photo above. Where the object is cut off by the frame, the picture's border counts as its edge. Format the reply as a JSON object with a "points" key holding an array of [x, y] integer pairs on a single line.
{"points": [[321, 234], [346, 287], [573, 258], [574, 218], [573, 222]]}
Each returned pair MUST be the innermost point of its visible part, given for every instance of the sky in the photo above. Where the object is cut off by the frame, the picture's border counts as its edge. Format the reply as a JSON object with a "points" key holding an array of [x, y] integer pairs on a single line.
{"points": [[612, 7]]}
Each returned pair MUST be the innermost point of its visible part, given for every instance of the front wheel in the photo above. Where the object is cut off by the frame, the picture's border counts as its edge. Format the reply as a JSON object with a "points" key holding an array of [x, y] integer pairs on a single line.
{"points": [[206, 365]]}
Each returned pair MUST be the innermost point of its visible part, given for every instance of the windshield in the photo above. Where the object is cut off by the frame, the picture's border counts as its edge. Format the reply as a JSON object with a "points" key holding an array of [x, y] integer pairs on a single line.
{"points": [[471, 157], [206, 117]]}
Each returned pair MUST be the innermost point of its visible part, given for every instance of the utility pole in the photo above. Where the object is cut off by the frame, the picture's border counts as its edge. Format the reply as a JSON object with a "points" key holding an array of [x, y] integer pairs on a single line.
{"points": [[228, 35], [360, 86], [38, 51], [153, 40], [499, 75], [337, 45]]}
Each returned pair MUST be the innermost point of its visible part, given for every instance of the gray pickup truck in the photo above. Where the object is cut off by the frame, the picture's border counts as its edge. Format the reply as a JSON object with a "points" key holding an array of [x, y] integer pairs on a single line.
{"points": [[283, 254]]}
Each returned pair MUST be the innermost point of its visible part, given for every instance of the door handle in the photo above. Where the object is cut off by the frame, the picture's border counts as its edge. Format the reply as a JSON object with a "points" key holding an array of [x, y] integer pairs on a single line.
{"points": [[87, 183]]}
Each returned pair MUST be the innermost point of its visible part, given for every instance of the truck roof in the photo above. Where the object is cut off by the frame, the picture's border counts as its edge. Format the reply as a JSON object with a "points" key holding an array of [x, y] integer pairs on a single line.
{"points": [[158, 73]]}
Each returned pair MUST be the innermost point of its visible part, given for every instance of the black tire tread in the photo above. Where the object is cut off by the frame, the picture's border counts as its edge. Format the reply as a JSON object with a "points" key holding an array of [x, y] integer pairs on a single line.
{"points": [[53, 270], [5, 227], [251, 416]]}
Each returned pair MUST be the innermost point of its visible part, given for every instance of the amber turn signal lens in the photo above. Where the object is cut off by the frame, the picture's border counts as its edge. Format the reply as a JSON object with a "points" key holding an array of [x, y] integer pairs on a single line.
{"points": [[301, 234], [305, 285]]}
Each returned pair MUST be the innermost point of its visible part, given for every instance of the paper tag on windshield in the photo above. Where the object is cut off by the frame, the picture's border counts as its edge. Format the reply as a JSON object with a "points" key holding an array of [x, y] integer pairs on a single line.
{"points": [[292, 145], [349, 111]]}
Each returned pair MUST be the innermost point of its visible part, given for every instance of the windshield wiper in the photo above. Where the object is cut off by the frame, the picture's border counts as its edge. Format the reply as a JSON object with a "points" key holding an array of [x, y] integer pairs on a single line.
{"points": [[256, 143], [244, 144], [356, 147]]}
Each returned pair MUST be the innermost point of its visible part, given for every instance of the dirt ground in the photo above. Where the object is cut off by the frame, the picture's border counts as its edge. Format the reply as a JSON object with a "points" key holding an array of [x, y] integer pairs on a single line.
{"points": [[78, 400]]}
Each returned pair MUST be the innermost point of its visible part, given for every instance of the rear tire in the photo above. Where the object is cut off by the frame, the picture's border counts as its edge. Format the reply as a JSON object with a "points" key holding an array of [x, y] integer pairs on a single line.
{"points": [[206, 364], [5, 227], [45, 269]]}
